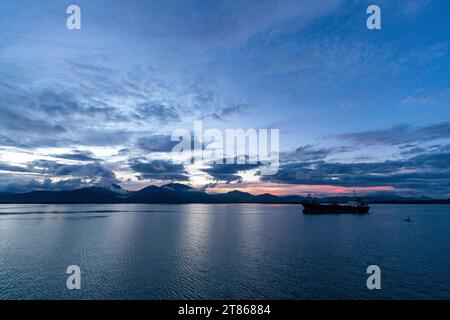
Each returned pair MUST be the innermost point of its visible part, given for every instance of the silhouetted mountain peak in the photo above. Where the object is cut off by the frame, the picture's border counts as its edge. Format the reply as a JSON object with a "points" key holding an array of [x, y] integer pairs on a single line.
{"points": [[115, 186], [237, 192], [149, 188], [172, 193]]}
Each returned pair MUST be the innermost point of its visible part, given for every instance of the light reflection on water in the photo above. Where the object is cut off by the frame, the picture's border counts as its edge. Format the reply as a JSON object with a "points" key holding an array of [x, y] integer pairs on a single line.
{"points": [[195, 251]]}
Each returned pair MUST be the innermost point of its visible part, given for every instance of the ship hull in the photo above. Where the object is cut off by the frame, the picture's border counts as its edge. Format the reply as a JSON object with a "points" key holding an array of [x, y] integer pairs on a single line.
{"points": [[333, 209]]}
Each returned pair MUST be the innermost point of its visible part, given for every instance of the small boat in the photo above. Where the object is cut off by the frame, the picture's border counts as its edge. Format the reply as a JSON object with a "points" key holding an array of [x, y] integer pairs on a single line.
{"points": [[356, 206], [408, 219]]}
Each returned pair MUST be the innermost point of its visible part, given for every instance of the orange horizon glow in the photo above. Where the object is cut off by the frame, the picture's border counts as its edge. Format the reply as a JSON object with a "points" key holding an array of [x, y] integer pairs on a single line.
{"points": [[291, 189], [279, 189]]}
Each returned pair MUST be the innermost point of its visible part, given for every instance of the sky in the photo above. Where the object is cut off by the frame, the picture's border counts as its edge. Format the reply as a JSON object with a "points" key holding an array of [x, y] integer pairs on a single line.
{"points": [[357, 109]]}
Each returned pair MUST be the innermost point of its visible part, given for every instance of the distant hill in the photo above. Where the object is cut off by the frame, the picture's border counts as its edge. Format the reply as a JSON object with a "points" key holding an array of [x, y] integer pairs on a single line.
{"points": [[179, 193], [85, 195]]}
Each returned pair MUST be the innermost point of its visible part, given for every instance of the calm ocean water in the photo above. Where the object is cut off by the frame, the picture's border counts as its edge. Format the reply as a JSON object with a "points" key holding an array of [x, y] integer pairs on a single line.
{"points": [[222, 251]]}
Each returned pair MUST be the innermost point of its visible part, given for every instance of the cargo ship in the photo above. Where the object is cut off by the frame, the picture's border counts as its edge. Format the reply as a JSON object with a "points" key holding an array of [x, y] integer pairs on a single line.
{"points": [[356, 206]]}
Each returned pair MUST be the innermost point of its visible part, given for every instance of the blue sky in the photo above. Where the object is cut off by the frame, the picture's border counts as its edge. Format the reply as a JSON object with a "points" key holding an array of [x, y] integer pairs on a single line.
{"points": [[356, 108]]}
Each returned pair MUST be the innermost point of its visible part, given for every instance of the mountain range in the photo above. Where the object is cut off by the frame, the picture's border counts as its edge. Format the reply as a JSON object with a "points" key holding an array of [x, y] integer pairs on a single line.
{"points": [[179, 193]]}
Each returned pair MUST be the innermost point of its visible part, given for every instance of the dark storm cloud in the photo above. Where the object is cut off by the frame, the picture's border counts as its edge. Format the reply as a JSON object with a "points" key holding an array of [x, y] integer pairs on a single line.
{"points": [[229, 172], [7, 167], [72, 177], [426, 173], [410, 150], [77, 155], [161, 143], [400, 134], [159, 170], [92, 171], [44, 185], [44, 166]]}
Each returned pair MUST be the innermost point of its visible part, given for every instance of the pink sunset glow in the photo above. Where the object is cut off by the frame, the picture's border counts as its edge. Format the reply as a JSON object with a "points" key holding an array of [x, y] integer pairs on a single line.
{"points": [[289, 189]]}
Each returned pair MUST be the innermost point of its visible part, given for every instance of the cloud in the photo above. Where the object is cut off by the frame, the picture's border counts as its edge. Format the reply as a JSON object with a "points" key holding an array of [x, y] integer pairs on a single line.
{"points": [[423, 174], [255, 62], [400, 134], [42, 185], [229, 172], [51, 175], [22, 128], [88, 103], [311, 153], [7, 167], [159, 111], [95, 172], [92, 171], [229, 111], [103, 137], [425, 99], [156, 143], [159, 170], [413, 151], [77, 155], [19, 122]]}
